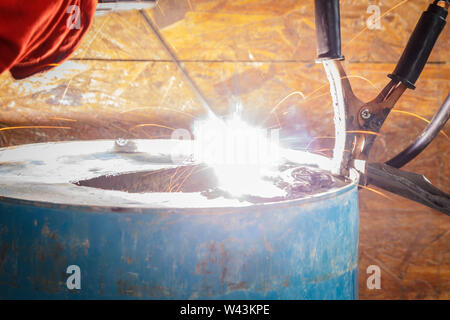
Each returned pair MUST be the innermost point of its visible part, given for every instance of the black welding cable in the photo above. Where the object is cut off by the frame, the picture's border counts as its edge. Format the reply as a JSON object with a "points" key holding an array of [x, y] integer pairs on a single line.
{"points": [[431, 131], [409, 185]]}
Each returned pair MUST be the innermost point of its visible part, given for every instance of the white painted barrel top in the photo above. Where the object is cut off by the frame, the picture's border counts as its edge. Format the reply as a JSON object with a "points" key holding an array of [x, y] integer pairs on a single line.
{"points": [[46, 171]]}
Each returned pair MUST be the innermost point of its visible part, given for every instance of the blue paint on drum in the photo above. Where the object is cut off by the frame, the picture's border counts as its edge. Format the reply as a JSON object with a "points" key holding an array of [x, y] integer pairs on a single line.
{"points": [[301, 249]]}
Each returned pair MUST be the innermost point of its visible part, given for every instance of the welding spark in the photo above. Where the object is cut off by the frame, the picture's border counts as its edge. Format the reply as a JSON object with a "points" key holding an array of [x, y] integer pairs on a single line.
{"points": [[419, 117], [285, 98], [152, 125], [63, 119], [192, 171], [362, 78], [316, 138], [375, 191], [172, 184], [364, 132], [345, 77], [182, 175], [169, 187], [158, 107], [309, 97], [381, 16], [34, 127], [331, 137], [280, 102]]}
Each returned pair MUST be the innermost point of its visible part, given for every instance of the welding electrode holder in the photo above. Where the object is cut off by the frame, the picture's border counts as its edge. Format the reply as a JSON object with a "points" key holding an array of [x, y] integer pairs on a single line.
{"points": [[420, 44], [328, 30], [362, 118]]}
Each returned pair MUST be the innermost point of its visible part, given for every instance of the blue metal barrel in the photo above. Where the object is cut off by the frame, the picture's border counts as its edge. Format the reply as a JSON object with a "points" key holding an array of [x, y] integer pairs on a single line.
{"points": [[297, 249]]}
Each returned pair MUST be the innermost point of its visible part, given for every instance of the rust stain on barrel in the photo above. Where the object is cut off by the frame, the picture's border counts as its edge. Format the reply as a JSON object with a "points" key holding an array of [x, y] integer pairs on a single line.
{"points": [[238, 286], [3, 254]]}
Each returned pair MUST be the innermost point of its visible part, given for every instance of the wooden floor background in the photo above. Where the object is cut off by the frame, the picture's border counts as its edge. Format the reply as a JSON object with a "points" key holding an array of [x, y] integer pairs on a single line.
{"points": [[258, 52]]}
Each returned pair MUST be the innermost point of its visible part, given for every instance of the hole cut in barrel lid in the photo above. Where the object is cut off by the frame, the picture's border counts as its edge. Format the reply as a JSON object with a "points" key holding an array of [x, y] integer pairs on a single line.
{"points": [[293, 181]]}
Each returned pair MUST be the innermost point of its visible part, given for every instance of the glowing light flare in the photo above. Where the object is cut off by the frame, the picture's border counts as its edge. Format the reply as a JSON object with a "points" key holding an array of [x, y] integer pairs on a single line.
{"points": [[419, 117], [240, 154]]}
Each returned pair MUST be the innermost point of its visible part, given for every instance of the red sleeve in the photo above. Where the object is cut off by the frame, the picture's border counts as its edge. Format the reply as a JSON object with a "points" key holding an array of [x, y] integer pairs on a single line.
{"points": [[37, 34]]}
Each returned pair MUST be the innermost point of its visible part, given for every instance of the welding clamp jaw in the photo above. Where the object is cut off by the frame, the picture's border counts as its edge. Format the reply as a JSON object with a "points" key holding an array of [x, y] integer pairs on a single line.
{"points": [[361, 122]]}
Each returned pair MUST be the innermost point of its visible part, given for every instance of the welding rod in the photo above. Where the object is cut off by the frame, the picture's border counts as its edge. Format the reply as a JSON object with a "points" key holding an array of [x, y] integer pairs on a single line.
{"points": [[177, 62]]}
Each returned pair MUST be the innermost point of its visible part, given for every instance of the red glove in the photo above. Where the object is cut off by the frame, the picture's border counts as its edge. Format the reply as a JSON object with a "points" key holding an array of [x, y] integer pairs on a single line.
{"points": [[35, 35]]}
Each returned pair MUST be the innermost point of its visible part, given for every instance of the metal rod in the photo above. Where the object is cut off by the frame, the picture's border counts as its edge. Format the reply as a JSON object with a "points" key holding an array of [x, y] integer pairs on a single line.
{"points": [[107, 6], [431, 131], [179, 65]]}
